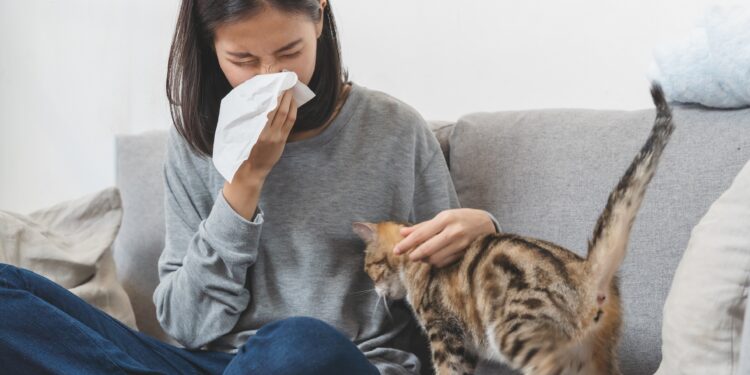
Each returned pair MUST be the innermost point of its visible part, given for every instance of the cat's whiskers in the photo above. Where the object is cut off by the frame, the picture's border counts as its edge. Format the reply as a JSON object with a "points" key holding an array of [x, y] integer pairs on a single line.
{"points": [[387, 310], [376, 307], [362, 292]]}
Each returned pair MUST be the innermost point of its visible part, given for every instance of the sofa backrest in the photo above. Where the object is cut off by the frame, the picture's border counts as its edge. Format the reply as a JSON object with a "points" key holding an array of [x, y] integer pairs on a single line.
{"points": [[138, 174], [548, 174]]}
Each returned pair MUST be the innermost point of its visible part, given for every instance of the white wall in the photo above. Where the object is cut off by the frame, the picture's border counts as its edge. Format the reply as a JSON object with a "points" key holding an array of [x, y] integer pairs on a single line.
{"points": [[73, 73]]}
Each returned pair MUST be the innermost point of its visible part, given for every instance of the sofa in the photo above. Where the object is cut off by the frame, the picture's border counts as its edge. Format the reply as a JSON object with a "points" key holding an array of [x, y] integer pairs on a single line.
{"points": [[542, 173]]}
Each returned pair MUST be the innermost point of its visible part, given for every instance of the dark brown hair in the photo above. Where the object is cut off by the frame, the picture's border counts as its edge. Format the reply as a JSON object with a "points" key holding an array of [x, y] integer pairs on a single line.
{"points": [[196, 84]]}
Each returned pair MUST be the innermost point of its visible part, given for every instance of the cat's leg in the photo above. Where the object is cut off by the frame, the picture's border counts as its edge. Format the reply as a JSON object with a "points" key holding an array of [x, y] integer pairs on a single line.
{"points": [[582, 357], [449, 355], [603, 359], [469, 363], [530, 344]]}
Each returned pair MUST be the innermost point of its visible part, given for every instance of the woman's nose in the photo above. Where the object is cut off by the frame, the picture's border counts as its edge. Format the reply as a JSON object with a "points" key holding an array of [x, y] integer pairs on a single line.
{"points": [[270, 68]]}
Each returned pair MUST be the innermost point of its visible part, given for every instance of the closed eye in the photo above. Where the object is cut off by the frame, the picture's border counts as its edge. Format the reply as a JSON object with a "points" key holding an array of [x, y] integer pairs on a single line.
{"points": [[254, 62], [245, 63], [292, 55], [376, 262]]}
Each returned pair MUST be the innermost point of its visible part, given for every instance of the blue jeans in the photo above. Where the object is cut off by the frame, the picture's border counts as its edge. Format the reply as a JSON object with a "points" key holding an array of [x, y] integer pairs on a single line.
{"points": [[45, 329]]}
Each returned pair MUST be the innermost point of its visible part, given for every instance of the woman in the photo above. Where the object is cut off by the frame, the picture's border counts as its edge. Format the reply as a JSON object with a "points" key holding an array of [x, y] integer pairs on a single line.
{"points": [[264, 275]]}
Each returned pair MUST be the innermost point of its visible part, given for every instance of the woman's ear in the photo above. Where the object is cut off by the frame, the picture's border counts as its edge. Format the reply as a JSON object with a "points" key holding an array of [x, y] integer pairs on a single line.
{"points": [[319, 26]]}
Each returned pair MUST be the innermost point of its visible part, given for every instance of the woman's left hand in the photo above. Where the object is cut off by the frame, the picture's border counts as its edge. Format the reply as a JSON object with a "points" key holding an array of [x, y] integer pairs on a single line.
{"points": [[444, 239]]}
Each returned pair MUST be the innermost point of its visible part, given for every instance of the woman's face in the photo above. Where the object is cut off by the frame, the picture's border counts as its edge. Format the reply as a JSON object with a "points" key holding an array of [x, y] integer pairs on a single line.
{"points": [[268, 42]]}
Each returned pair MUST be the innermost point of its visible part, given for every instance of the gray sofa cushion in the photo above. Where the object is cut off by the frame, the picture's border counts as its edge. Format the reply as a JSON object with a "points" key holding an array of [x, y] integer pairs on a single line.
{"points": [[443, 131], [139, 161], [548, 173]]}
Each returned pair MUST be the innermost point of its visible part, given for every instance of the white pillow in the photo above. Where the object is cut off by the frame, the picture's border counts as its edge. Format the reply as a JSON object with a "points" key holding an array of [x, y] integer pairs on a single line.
{"points": [[704, 311], [71, 244]]}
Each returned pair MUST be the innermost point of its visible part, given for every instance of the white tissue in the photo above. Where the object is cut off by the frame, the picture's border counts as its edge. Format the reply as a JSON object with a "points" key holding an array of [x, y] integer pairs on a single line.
{"points": [[244, 113]]}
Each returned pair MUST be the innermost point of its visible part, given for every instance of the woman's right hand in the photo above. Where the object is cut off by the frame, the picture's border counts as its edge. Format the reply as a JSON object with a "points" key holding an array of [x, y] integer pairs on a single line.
{"points": [[243, 193], [267, 151]]}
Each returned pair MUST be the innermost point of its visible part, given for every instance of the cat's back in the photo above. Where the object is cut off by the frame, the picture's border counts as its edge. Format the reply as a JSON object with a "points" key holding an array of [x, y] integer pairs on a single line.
{"points": [[527, 262], [511, 276]]}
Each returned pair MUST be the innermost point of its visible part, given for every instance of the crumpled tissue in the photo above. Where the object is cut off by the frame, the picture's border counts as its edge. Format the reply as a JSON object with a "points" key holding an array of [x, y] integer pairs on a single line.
{"points": [[244, 113]]}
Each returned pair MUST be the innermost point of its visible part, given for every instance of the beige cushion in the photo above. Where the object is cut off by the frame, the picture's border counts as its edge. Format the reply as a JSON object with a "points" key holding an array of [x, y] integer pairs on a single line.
{"points": [[71, 244], [704, 311]]}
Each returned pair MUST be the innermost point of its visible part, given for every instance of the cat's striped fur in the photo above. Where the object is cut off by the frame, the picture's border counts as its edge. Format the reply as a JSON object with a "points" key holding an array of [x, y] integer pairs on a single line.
{"points": [[525, 302]]}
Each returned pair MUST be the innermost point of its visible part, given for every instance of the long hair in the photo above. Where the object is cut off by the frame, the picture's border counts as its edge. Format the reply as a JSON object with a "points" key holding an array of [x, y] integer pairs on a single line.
{"points": [[196, 84]]}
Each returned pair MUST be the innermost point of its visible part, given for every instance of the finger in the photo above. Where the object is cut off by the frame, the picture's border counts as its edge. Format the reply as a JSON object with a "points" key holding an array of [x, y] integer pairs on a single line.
{"points": [[271, 116], [450, 260], [425, 231], [431, 246], [282, 110], [291, 118], [441, 255], [405, 231]]}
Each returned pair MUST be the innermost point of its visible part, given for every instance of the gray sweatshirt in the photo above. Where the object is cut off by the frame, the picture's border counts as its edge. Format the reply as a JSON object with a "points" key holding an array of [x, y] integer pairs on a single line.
{"points": [[223, 277]]}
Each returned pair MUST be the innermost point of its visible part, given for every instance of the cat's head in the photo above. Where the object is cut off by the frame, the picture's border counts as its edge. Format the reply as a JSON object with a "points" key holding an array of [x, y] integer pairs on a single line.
{"points": [[381, 264]]}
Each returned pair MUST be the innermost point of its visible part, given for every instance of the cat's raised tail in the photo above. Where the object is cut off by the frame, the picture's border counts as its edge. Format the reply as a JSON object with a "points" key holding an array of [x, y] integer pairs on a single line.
{"points": [[609, 242]]}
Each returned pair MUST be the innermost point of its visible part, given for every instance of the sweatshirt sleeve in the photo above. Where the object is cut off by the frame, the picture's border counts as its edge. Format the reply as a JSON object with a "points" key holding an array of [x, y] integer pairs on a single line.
{"points": [[434, 190], [203, 267]]}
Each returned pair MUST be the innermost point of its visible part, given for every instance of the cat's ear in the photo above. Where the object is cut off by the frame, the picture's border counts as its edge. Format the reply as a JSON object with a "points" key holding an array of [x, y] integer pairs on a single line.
{"points": [[365, 231]]}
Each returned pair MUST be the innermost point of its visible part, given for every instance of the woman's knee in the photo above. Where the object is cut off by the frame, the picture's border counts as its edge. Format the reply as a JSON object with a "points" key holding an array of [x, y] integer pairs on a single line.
{"points": [[11, 277], [307, 345], [302, 328]]}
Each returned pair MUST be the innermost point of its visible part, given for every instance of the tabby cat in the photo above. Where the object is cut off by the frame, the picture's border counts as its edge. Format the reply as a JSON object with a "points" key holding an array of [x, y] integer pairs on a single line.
{"points": [[528, 303]]}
